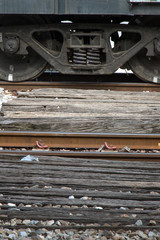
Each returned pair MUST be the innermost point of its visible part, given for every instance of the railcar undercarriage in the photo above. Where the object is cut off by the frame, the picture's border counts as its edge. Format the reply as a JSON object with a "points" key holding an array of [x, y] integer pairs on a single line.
{"points": [[28, 45]]}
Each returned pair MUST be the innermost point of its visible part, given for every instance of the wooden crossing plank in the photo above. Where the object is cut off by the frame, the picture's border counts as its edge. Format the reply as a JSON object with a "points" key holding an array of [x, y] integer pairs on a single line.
{"points": [[83, 111], [109, 192]]}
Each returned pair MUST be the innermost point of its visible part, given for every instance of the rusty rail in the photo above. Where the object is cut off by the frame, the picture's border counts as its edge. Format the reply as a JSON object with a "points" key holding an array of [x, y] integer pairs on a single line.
{"points": [[81, 145], [116, 82], [136, 87], [78, 140]]}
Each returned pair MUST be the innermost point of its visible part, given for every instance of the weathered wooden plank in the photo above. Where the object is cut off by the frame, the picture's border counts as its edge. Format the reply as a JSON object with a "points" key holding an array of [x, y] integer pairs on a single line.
{"points": [[61, 102], [56, 192], [81, 165], [51, 181], [80, 182], [62, 114], [84, 108], [131, 124], [49, 161], [104, 203], [46, 195], [80, 174], [88, 94], [60, 165], [83, 111], [79, 215], [80, 168]]}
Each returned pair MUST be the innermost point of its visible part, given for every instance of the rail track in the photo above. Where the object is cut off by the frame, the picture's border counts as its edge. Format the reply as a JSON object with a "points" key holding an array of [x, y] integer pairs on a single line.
{"points": [[117, 82], [72, 183], [78, 140], [76, 186], [93, 146]]}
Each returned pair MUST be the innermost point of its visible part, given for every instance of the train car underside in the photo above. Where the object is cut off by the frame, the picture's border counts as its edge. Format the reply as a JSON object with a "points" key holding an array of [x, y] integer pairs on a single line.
{"points": [[79, 44]]}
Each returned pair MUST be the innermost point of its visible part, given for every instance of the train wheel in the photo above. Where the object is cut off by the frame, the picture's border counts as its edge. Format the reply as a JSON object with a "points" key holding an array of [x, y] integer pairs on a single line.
{"points": [[146, 67], [20, 67]]}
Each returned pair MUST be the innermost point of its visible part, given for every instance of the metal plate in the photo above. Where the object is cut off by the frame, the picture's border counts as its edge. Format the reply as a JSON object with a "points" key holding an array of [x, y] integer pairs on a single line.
{"points": [[64, 7], [28, 7], [144, 1], [80, 7]]}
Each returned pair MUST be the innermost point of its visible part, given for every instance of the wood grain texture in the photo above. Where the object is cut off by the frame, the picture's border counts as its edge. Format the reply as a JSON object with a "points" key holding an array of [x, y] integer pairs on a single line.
{"points": [[110, 185], [76, 110]]}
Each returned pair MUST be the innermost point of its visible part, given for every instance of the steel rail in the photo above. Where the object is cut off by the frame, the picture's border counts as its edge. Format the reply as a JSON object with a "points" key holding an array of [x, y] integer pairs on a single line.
{"points": [[135, 87], [116, 82], [78, 140]]}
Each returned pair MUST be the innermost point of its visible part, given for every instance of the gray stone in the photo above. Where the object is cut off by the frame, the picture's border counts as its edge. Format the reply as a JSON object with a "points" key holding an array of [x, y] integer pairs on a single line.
{"points": [[151, 234], [58, 223], [142, 235], [98, 208], [26, 222], [23, 234], [123, 208], [11, 205], [13, 222], [139, 223], [12, 236], [49, 223], [84, 198], [41, 231], [33, 222], [70, 233], [71, 197]]}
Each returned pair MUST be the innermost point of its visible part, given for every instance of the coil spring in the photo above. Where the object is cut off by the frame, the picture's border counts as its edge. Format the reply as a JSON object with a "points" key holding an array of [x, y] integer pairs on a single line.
{"points": [[86, 56], [79, 56], [93, 56]]}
